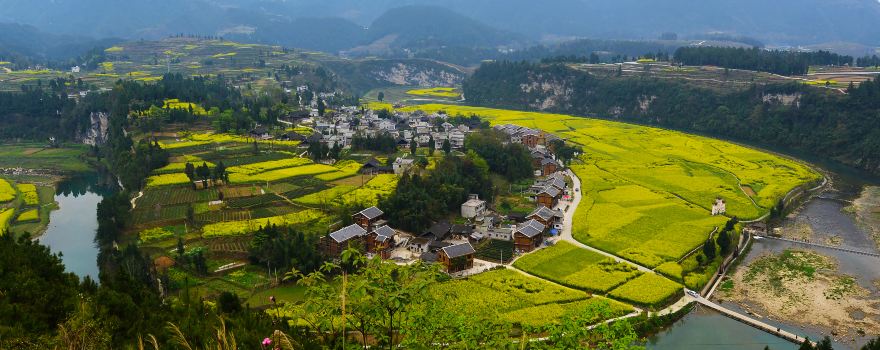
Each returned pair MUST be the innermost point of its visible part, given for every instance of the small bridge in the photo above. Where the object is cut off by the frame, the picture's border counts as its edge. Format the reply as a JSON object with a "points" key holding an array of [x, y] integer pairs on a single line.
{"points": [[794, 338], [840, 249]]}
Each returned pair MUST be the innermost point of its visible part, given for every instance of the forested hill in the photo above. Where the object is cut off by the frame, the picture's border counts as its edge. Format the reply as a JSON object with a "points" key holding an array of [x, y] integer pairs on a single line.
{"points": [[839, 127]]}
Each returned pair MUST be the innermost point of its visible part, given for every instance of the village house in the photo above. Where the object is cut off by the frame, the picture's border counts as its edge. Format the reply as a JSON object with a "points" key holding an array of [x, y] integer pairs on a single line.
{"points": [[381, 241], [418, 244], [457, 258], [337, 241], [373, 167], [368, 218], [401, 165], [461, 232], [719, 207], [532, 138], [528, 236], [292, 136], [549, 166], [546, 216], [439, 231], [548, 196], [500, 233], [260, 133], [473, 208]]}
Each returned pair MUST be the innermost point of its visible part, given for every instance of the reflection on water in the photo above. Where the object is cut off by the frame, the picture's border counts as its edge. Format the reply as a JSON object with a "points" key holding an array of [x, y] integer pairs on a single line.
{"points": [[71, 230]]}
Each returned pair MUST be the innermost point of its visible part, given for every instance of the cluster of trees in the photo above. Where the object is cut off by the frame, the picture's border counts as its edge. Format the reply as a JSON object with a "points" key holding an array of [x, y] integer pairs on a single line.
{"points": [[868, 61], [203, 172], [778, 62], [382, 143], [283, 249], [511, 160], [420, 200], [840, 127], [320, 151], [472, 121], [723, 240], [129, 162]]}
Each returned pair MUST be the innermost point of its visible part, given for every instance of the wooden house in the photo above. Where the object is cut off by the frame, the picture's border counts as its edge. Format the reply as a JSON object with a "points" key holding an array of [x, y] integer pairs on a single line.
{"points": [[456, 258], [546, 216], [528, 236], [368, 218], [548, 196], [381, 241], [531, 138], [373, 167], [549, 166], [337, 241]]}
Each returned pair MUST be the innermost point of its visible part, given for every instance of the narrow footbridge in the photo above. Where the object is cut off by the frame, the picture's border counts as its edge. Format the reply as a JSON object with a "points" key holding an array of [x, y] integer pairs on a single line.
{"points": [[840, 249], [794, 338]]}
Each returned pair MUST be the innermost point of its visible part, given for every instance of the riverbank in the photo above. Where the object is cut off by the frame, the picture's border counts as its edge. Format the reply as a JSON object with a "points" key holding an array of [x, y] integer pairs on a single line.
{"points": [[807, 289], [867, 211]]}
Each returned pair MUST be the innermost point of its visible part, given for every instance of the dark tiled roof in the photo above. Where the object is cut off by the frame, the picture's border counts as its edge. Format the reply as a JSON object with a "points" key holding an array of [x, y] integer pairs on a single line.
{"points": [[553, 191], [462, 229], [371, 213], [459, 250], [439, 230], [384, 233], [543, 213], [546, 161], [348, 232], [531, 228], [428, 257], [434, 245]]}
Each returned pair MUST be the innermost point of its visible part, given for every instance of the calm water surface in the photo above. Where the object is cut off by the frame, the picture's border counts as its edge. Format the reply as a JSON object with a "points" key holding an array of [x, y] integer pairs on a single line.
{"points": [[71, 230]]}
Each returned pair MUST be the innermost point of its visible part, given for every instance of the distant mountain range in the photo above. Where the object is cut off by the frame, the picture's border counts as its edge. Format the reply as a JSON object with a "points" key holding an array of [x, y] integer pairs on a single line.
{"points": [[19, 41], [377, 26]]}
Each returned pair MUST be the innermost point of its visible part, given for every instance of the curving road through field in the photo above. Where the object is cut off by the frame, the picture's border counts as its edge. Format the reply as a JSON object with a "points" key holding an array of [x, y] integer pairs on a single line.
{"points": [[567, 225]]}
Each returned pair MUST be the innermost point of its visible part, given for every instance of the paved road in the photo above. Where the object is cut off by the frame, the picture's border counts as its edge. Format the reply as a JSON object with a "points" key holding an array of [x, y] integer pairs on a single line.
{"points": [[568, 223]]}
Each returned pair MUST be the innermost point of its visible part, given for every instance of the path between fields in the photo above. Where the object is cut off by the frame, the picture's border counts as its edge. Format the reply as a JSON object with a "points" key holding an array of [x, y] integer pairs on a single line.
{"points": [[134, 200], [568, 223]]}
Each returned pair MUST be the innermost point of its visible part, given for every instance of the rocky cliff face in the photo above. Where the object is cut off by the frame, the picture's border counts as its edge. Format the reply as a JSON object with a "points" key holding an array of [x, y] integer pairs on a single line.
{"points": [[96, 133], [418, 75]]}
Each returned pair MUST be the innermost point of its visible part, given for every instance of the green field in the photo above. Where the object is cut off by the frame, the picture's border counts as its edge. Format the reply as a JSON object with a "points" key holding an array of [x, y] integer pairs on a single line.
{"points": [[65, 159], [575, 267]]}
